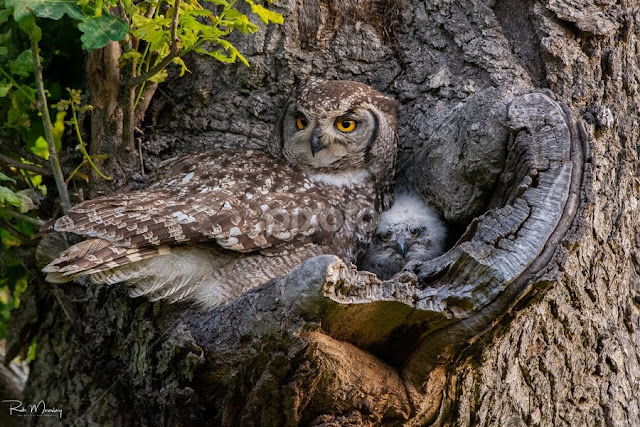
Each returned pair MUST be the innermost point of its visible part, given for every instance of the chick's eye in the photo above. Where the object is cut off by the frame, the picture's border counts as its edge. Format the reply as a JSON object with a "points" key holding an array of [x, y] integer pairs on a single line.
{"points": [[384, 237], [415, 232], [345, 124], [301, 122]]}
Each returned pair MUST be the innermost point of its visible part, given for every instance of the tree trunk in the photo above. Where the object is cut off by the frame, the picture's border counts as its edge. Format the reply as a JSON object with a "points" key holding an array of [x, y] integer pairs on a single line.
{"points": [[519, 122], [112, 120]]}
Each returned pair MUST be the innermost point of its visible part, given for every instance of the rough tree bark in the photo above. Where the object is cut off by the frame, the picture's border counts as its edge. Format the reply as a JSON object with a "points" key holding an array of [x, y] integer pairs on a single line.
{"points": [[519, 122]]}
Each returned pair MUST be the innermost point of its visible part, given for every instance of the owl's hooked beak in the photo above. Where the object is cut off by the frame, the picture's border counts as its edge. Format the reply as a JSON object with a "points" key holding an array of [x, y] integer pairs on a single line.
{"points": [[316, 143], [402, 246]]}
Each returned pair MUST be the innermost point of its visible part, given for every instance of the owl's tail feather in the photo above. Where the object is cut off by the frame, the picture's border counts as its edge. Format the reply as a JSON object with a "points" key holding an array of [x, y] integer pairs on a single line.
{"points": [[157, 272], [172, 277], [94, 256]]}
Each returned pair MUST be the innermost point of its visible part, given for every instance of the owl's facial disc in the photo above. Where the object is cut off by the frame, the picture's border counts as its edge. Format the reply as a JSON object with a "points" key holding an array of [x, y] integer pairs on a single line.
{"points": [[325, 142], [403, 241]]}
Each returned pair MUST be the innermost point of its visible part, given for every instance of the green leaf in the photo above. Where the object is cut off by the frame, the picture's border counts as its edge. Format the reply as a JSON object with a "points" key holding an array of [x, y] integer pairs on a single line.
{"points": [[9, 198], [4, 177], [222, 56], [130, 55], [98, 31], [27, 198], [4, 15], [21, 199], [183, 66], [4, 51], [29, 26], [199, 12], [40, 148], [220, 3], [159, 77], [193, 32], [31, 355], [265, 14], [98, 8], [152, 31], [7, 40], [20, 287], [240, 21], [58, 129], [23, 65], [5, 87], [52, 9]]}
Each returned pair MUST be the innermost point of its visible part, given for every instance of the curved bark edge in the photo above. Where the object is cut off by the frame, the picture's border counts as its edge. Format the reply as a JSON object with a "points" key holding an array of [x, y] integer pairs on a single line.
{"points": [[541, 271], [502, 254]]}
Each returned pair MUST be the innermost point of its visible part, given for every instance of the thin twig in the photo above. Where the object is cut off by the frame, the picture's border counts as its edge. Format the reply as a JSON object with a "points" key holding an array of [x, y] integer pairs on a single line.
{"points": [[154, 70], [15, 233], [25, 154], [124, 14], [16, 85], [22, 217], [151, 11], [174, 25], [174, 51], [141, 158], [75, 171], [24, 166], [143, 101], [65, 202], [81, 146]]}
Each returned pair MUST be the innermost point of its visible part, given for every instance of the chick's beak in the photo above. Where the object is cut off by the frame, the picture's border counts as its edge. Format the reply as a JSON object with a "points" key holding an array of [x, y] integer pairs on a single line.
{"points": [[402, 246], [316, 143]]}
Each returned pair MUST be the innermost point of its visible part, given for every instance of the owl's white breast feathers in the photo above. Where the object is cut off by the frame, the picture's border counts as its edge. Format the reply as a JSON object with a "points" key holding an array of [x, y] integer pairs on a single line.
{"points": [[350, 178]]}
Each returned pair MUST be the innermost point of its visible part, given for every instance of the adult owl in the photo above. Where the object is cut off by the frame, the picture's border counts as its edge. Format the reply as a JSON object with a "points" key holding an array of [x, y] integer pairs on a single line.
{"points": [[223, 222], [410, 231]]}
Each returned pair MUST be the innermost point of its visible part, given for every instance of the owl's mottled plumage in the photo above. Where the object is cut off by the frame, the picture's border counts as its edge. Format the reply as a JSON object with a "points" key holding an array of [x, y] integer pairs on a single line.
{"points": [[225, 221], [410, 231]]}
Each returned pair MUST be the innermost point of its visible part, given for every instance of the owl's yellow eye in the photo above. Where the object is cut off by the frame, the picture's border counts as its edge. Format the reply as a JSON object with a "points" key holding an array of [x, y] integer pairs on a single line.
{"points": [[301, 122], [345, 124], [415, 232]]}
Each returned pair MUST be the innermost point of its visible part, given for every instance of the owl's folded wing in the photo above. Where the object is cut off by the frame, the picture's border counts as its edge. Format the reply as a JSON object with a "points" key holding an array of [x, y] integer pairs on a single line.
{"points": [[236, 223], [133, 226]]}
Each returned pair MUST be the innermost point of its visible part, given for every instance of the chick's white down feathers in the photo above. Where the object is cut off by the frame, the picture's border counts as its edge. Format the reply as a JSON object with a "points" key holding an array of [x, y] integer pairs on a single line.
{"points": [[410, 231]]}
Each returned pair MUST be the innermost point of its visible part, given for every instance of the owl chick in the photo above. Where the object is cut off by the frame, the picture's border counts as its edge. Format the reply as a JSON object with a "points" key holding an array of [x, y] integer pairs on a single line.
{"points": [[222, 222], [409, 231]]}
